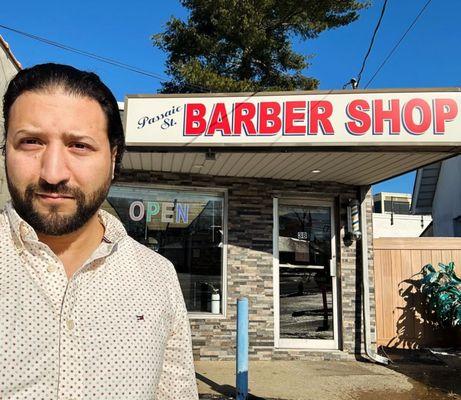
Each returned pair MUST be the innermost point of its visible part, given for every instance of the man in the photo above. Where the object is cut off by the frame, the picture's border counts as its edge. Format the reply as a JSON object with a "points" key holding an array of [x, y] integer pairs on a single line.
{"points": [[86, 312]]}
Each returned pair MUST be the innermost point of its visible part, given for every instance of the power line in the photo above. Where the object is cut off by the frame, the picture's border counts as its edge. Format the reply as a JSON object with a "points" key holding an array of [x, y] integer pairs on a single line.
{"points": [[410, 27], [94, 56], [359, 76]]}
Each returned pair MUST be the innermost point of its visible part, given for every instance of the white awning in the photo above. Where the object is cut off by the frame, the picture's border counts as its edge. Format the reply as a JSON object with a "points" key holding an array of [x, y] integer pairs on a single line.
{"points": [[362, 168], [351, 137]]}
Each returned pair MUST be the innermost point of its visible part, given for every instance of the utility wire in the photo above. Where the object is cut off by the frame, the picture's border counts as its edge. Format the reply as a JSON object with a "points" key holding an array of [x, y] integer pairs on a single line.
{"points": [[410, 27], [378, 24], [94, 56]]}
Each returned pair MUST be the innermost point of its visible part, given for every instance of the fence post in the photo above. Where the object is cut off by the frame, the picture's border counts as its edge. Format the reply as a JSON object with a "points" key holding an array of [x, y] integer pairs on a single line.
{"points": [[242, 349]]}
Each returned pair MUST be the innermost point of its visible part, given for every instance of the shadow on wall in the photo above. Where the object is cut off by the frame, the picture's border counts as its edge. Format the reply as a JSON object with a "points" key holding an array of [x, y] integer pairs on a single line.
{"points": [[410, 349], [416, 327]]}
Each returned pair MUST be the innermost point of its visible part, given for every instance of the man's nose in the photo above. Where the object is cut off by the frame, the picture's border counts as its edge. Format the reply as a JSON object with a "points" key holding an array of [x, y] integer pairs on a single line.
{"points": [[54, 168]]}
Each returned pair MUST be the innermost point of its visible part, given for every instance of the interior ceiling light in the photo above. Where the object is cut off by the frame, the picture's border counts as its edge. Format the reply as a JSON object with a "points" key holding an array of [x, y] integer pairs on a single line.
{"points": [[315, 171]]}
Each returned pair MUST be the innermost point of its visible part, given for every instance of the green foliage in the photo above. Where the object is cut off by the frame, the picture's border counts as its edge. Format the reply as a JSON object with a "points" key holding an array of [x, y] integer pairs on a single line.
{"points": [[246, 45], [442, 290]]}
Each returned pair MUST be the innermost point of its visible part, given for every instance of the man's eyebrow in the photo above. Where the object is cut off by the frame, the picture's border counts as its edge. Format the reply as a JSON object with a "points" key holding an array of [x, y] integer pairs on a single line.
{"points": [[67, 135], [27, 132], [77, 137]]}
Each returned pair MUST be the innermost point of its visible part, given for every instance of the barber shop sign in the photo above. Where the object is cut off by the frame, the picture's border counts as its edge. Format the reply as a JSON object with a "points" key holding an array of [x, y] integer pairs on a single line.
{"points": [[356, 118]]}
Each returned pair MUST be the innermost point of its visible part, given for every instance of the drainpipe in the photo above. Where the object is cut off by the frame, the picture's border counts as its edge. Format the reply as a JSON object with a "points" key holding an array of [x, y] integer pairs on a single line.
{"points": [[366, 282]]}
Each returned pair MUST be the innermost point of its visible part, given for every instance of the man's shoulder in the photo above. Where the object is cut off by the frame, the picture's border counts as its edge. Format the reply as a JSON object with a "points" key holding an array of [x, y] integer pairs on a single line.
{"points": [[6, 239], [4, 224]]}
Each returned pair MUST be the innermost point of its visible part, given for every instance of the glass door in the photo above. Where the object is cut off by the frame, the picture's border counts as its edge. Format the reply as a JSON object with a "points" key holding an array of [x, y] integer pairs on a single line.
{"points": [[306, 273]]}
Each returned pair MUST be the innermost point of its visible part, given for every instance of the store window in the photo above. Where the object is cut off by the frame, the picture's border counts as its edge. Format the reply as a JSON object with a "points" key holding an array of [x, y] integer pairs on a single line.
{"points": [[377, 207], [397, 206], [186, 227]]}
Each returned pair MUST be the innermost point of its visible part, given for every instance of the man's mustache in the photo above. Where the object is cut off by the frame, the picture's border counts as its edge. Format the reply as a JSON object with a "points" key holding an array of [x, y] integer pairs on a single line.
{"points": [[61, 188]]}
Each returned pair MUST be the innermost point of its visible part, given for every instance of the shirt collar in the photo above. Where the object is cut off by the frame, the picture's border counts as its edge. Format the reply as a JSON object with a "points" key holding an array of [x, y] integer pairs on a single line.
{"points": [[114, 230]]}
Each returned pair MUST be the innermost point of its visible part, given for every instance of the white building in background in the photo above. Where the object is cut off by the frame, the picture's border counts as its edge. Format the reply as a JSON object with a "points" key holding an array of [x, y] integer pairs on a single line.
{"points": [[392, 218], [437, 193], [9, 66]]}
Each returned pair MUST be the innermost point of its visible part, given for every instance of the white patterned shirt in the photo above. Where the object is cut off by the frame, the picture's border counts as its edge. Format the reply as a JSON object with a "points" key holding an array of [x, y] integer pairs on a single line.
{"points": [[117, 329]]}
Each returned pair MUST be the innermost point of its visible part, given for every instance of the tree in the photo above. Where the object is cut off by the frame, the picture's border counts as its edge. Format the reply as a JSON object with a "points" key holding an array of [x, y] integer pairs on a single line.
{"points": [[245, 45]]}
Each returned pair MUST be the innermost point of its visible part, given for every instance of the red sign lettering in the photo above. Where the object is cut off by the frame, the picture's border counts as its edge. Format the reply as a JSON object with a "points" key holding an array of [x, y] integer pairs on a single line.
{"points": [[243, 115], [194, 124], [445, 110], [219, 120], [357, 111], [295, 113], [423, 109], [269, 120], [319, 112], [392, 114]]}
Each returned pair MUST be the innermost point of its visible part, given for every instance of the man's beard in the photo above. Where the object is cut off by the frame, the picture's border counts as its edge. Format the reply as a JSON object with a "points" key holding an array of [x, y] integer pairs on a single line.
{"points": [[52, 222]]}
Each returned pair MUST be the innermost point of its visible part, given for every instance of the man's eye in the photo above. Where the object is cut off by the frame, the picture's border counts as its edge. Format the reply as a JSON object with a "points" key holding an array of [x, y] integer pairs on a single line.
{"points": [[30, 142], [80, 146]]}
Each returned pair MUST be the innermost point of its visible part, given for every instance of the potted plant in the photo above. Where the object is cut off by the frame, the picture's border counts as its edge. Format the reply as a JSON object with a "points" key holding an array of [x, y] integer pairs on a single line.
{"points": [[442, 290]]}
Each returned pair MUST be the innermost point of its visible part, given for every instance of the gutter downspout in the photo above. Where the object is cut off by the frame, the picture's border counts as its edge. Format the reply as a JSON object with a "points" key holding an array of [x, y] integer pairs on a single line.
{"points": [[366, 283]]}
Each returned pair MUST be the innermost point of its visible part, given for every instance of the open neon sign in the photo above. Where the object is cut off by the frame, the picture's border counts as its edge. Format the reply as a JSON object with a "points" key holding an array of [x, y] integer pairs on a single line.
{"points": [[168, 211]]}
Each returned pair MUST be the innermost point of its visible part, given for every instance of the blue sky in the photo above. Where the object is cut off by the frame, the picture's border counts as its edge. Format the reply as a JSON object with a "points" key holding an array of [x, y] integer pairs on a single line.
{"points": [[428, 57]]}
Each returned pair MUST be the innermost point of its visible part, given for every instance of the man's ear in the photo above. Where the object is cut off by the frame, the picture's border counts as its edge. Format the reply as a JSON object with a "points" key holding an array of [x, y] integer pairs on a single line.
{"points": [[113, 157]]}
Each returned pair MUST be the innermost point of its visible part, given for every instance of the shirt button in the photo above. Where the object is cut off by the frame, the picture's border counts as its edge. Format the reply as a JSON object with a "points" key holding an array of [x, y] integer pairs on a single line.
{"points": [[70, 324], [23, 229], [52, 268]]}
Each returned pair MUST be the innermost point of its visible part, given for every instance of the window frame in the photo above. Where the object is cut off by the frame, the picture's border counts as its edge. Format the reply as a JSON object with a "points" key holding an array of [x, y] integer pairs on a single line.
{"points": [[215, 191]]}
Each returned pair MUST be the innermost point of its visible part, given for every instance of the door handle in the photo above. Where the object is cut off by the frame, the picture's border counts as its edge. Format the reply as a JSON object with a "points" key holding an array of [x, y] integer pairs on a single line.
{"points": [[333, 267]]}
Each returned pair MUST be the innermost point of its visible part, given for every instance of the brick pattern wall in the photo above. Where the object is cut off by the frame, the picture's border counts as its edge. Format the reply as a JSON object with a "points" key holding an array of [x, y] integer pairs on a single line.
{"points": [[250, 264]]}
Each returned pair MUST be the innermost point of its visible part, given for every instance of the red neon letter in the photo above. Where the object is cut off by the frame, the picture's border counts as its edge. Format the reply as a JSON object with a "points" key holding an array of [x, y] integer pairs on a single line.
{"points": [[319, 112], [445, 110], [269, 121], [195, 123], [219, 120], [425, 113], [243, 115], [392, 115], [357, 111], [293, 115]]}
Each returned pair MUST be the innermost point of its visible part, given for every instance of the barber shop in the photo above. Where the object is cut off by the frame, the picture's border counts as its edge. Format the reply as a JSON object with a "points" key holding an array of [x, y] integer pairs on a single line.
{"points": [[267, 196]]}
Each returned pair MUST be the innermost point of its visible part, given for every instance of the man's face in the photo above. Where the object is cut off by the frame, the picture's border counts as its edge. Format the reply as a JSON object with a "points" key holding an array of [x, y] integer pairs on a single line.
{"points": [[59, 164]]}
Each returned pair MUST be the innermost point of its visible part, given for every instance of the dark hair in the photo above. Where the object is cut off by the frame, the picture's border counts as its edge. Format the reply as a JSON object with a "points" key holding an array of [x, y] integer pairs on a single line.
{"points": [[73, 81]]}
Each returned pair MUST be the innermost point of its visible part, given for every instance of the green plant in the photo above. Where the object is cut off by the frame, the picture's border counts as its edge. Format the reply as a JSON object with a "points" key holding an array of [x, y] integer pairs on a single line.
{"points": [[212, 287], [247, 45], [442, 291]]}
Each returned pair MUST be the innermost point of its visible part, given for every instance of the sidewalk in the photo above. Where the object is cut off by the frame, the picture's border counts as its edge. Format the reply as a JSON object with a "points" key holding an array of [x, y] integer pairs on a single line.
{"points": [[319, 380]]}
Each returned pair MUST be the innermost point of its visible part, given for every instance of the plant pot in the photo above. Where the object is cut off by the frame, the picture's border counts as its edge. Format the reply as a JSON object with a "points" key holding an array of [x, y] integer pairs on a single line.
{"points": [[215, 303]]}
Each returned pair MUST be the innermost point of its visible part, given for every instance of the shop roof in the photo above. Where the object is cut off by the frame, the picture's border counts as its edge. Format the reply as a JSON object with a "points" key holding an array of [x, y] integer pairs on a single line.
{"points": [[424, 188], [9, 53]]}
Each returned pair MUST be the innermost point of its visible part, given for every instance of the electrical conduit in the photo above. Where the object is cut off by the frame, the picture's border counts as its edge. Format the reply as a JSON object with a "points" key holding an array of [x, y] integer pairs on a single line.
{"points": [[366, 282]]}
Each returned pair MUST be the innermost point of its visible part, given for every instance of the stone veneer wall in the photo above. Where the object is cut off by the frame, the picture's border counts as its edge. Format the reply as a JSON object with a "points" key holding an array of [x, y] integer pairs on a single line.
{"points": [[250, 265]]}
